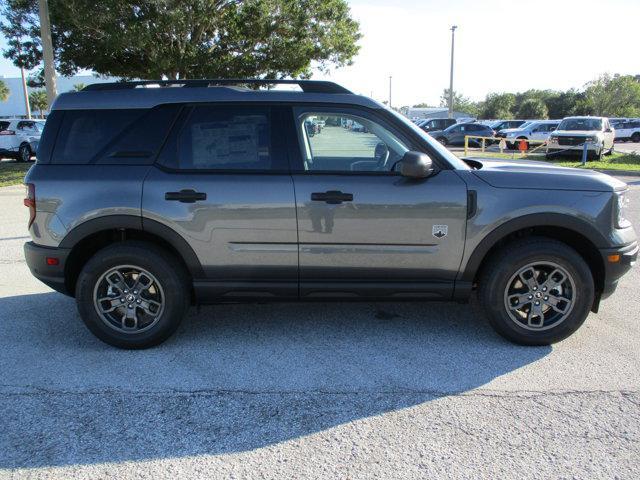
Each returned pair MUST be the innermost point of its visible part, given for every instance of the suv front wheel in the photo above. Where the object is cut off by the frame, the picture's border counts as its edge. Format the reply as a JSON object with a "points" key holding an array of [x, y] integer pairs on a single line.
{"points": [[132, 294], [536, 291]]}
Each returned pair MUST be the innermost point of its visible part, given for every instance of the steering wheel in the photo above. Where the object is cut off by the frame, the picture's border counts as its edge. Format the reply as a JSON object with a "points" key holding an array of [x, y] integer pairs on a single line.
{"points": [[381, 155]]}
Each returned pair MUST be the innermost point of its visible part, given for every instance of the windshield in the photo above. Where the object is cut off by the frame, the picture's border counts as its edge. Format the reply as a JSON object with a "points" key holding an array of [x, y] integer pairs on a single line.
{"points": [[442, 150], [580, 124]]}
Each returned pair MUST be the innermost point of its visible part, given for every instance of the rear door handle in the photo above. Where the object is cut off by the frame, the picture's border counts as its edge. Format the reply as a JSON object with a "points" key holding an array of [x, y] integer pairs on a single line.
{"points": [[185, 196], [332, 197]]}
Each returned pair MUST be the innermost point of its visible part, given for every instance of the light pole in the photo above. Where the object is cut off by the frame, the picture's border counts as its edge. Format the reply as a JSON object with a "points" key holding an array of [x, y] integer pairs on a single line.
{"points": [[47, 52], [453, 37], [390, 77]]}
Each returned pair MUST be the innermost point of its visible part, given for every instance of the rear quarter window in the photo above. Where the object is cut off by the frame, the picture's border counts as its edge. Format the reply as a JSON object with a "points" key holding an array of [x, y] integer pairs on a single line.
{"points": [[83, 134]]}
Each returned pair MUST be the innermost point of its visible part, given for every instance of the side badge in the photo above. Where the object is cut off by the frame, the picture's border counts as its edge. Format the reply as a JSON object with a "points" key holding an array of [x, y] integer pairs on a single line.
{"points": [[440, 231]]}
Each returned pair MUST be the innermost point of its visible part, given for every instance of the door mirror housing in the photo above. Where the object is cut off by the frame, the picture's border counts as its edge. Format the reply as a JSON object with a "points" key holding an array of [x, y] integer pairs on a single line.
{"points": [[415, 165]]}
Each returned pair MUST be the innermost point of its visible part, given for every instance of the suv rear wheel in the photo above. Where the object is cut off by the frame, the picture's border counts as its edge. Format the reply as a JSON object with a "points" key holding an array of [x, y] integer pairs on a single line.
{"points": [[24, 153], [132, 295], [536, 291]]}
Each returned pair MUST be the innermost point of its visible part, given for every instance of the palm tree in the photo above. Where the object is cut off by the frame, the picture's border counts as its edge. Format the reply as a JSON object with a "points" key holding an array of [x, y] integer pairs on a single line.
{"points": [[78, 86], [38, 101], [4, 91]]}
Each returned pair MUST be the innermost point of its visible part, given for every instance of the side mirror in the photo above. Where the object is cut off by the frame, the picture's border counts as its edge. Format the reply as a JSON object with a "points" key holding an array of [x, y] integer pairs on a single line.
{"points": [[608, 130], [415, 165]]}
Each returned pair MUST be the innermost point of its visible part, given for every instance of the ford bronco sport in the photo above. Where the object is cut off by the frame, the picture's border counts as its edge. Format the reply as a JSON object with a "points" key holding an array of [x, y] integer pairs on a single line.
{"points": [[145, 200]]}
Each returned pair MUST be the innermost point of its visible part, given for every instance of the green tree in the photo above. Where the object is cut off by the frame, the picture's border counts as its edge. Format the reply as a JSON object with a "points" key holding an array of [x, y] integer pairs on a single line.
{"points": [[613, 96], [498, 106], [4, 91], [21, 32], [533, 108], [199, 38], [460, 103], [38, 101], [77, 87], [423, 105], [564, 104]]}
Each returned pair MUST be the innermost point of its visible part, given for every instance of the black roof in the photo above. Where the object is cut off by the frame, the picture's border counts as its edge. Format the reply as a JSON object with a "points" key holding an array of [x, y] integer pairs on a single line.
{"points": [[150, 93]]}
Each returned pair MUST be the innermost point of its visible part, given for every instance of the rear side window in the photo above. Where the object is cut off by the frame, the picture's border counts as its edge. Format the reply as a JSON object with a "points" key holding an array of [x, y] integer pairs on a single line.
{"points": [[85, 133], [224, 138], [4, 125]]}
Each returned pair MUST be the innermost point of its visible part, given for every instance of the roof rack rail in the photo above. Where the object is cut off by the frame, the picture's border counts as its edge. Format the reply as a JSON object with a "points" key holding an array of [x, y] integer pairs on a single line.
{"points": [[307, 86]]}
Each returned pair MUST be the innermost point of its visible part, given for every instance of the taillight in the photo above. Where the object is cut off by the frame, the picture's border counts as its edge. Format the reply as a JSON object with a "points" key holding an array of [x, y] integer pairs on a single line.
{"points": [[7, 132], [30, 201]]}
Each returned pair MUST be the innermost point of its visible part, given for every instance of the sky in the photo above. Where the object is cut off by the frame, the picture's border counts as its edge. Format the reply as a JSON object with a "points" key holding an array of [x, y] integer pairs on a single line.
{"points": [[500, 46]]}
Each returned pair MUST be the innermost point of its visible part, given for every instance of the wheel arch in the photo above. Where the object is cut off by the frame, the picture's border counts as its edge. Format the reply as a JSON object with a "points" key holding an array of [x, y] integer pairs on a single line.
{"points": [[87, 238], [576, 233]]}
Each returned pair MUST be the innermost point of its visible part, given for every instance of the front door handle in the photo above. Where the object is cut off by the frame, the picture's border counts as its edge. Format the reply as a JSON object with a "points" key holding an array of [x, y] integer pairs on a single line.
{"points": [[332, 197], [185, 196]]}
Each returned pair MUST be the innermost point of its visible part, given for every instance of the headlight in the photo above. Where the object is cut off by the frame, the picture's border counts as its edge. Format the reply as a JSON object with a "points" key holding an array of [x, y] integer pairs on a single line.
{"points": [[621, 207], [553, 139]]}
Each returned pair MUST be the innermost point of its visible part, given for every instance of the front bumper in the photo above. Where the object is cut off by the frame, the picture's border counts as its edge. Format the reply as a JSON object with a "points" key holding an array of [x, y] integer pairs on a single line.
{"points": [[52, 275], [556, 148], [614, 270]]}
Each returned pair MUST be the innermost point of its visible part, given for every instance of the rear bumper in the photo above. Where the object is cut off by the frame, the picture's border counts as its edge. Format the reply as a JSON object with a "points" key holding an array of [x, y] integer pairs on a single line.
{"points": [[613, 271], [51, 275]]}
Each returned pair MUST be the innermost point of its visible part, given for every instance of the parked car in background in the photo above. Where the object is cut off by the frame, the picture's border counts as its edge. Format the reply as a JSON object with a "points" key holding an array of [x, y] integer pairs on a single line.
{"points": [[574, 132], [499, 125], [433, 124], [538, 130], [454, 135], [616, 121], [19, 138], [628, 130]]}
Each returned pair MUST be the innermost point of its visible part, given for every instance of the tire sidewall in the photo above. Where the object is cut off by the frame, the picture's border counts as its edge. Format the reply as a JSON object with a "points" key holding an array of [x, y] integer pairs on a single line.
{"points": [[583, 300], [154, 261], [22, 148]]}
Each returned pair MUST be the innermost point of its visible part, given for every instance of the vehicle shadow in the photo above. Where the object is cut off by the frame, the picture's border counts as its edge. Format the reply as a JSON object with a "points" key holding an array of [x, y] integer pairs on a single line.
{"points": [[234, 378]]}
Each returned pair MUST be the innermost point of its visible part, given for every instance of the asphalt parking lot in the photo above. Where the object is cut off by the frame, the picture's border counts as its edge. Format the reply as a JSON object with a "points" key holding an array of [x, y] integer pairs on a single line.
{"points": [[373, 390]]}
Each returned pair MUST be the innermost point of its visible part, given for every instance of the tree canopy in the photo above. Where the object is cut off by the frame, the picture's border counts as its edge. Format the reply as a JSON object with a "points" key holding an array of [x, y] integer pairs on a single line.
{"points": [[152, 39], [608, 95]]}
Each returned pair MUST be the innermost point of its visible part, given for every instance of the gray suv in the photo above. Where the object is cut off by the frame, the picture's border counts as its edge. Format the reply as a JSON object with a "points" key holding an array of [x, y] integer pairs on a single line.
{"points": [[144, 201]]}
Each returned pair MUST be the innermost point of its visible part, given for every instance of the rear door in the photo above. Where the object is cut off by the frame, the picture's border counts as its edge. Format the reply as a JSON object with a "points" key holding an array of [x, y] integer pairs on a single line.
{"points": [[223, 183], [363, 229]]}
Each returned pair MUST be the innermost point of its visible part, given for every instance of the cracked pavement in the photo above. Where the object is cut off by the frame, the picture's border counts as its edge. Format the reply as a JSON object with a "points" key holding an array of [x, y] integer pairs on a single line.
{"points": [[346, 390]]}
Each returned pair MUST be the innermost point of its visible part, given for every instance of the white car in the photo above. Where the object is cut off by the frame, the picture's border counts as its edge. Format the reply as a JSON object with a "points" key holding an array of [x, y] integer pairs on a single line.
{"points": [[538, 130], [629, 130], [574, 133], [19, 138]]}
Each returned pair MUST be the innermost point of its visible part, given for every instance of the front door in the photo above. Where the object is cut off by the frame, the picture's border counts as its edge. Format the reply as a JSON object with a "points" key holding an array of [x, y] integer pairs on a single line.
{"points": [[223, 185], [363, 229]]}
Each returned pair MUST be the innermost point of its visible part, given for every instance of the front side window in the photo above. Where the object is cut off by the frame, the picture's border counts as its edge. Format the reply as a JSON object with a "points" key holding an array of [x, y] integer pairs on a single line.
{"points": [[222, 138], [347, 143]]}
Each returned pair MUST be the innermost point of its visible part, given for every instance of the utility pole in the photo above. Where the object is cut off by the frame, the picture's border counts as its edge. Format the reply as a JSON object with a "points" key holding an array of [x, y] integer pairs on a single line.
{"points": [[47, 52], [390, 77], [453, 37], [26, 94]]}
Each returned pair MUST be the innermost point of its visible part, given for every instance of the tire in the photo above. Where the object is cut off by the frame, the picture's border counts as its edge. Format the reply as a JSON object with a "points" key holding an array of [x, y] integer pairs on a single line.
{"points": [[168, 287], [443, 141], [24, 153], [500, 274], [635, 138]]}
